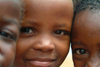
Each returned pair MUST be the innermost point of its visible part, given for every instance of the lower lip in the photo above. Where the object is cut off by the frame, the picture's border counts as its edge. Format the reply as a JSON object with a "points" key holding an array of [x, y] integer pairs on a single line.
{"points": [[40, 63]]}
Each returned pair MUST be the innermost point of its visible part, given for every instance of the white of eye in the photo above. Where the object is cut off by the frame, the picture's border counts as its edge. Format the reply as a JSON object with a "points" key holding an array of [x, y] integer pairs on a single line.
{"points": [[78, 52], [30, 31], [62, 33]]}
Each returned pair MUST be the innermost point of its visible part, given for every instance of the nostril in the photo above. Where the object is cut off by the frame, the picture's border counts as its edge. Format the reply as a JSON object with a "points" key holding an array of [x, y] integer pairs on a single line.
{"points": [[45, 48], [87, 65], [44, 44], [48, 48]]}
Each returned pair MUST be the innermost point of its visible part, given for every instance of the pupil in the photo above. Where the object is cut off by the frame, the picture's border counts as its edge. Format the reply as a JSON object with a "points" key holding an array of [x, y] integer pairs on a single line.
{"points": [[58, 32], [82, 51], [25, 30], [4, 34]]}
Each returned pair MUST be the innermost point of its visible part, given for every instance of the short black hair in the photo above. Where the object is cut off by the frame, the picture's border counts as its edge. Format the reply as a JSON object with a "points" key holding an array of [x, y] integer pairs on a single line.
{"points": [[82, 5], [86, 4], [75, 2]]}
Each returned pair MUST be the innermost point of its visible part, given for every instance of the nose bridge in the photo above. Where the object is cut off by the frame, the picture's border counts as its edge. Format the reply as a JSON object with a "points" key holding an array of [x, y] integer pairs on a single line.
{"points": [[94, 61], [45, 43]]}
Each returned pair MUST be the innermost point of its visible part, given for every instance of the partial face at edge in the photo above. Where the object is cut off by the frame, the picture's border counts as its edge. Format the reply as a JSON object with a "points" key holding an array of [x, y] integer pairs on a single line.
{"points": [[45, 33], [86, 39], [9, 31]]}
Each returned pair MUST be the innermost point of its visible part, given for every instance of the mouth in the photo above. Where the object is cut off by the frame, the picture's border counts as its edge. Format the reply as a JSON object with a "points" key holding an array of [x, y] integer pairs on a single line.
{"points": [[41, 62]]}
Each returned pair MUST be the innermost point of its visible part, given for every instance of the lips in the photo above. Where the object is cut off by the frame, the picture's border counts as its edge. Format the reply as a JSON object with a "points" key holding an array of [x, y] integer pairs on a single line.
{"points": [[41, 62]]}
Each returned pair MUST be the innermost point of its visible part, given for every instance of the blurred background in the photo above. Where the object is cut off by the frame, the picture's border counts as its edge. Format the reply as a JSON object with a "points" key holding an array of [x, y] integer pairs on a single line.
{"points": [[68, 61]]}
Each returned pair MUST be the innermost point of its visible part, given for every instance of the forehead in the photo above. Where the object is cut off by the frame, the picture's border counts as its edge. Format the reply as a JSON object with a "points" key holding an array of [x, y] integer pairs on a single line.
{"points": [[9, 12], [88, 20], [9, 8], [49, 8], [87, 26]]}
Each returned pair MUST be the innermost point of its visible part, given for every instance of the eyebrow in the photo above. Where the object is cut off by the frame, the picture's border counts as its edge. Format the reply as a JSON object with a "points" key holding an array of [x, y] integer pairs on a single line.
{"points": [[11, 21], [77, 43], [33, 22], [61, 25], [64, 24]]}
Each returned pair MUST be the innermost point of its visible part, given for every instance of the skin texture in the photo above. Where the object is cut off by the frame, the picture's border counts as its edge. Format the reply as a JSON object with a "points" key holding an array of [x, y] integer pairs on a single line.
{"points": [[86, 39], [9, 31], [45, 33]]}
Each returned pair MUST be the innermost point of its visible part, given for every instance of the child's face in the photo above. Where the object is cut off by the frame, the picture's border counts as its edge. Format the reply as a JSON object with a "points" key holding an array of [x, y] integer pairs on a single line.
{"points": [[9, 31], [45, 33], [86, 39]]}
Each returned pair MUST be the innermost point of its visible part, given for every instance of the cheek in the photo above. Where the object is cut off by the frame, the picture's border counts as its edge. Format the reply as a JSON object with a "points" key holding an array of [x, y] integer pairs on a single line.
{"points": [[23, 45], [8, 53], [8, 48], [62, 48], [79, 63]]}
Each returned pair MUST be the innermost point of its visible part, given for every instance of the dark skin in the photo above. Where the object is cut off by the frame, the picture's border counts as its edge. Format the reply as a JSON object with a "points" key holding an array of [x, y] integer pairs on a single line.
{"points": [[9, 31], [45, 33], [86, 39]]}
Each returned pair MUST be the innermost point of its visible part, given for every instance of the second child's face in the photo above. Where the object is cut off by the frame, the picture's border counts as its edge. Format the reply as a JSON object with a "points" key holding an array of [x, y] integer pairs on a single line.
{"points": [[9, 31], [86, 39], [45, 33]]}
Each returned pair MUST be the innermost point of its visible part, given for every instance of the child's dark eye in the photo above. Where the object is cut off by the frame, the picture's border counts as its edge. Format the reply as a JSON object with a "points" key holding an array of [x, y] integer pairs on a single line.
{"points": [[26, 30], [7, 35], [80, 54], [62, 32], [80, 51]]}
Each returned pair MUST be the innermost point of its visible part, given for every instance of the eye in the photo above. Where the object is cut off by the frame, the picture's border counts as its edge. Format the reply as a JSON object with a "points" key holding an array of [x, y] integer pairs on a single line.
{"points": [[7, 35], [62, 32], [80, 51], [26, 30]]}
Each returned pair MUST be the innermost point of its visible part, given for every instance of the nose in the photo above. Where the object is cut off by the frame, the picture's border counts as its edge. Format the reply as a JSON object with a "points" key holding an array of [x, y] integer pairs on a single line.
{"points": [[94, 61], [44, 44]]}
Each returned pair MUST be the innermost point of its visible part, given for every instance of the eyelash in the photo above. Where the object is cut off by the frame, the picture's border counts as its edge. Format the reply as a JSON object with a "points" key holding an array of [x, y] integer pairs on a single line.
{"points": [[7, 35], [28, 30], [80, 51], [62, 32]]}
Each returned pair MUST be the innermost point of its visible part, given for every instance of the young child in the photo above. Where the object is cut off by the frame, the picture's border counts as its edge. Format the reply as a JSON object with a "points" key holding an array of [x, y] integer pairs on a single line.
{"points": [[45, 33], [10, 18], [86, 34]]}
